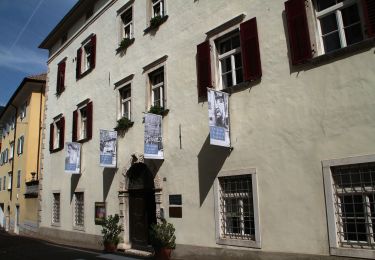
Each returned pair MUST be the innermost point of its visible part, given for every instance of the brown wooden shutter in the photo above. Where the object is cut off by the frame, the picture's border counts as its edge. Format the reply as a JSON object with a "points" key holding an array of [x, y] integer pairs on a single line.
{"points": [[74, 127], [51, 136], [298, 31], [93, 52], [252, 67], [79, 59], [204, 68], [89, 120], [62, 132], [369, 13]]}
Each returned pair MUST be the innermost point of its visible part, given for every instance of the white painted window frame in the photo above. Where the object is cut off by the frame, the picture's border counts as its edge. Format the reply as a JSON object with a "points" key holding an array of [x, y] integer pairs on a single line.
{"points": [[335, 249], [238, 242], [86, 55], [126, 102], [157, 86], [82, 122], [161, 4], [20, 143], [10, 180], [337, 10], [11, 150], [130, 24]]}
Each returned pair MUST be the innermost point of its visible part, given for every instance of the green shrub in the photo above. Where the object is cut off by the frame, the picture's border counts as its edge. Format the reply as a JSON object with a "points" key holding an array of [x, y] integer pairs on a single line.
{"points": [[111, 229], [162, 235]]}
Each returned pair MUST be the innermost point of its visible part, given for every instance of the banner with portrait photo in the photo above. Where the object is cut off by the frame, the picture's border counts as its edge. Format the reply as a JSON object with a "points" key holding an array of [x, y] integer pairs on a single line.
{"points": [[108, 148], [73, 158], [218, 114], [153, 145]]}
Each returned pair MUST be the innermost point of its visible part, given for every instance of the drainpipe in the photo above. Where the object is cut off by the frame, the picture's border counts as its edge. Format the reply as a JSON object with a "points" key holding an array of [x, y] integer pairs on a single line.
{"points": [[39, 133], [14, 142]]}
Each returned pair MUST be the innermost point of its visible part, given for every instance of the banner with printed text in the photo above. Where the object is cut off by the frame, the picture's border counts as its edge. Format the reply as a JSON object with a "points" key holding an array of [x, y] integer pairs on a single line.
{"points": [[73, 158], [153, 145], [218, 114], [108, 148]]}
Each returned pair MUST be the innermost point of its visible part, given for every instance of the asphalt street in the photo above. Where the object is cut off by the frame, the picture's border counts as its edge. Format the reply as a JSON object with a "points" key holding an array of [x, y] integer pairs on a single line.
{"points": [[14, 247]]}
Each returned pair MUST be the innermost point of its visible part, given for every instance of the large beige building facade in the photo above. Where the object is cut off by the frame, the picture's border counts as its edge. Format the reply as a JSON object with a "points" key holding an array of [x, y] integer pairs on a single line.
{"points": [[22, 120], [299, 175]]}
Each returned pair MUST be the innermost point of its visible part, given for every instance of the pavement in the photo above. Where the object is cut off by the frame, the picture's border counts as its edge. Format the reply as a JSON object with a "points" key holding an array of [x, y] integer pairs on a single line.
{"points": [[14, 247]]}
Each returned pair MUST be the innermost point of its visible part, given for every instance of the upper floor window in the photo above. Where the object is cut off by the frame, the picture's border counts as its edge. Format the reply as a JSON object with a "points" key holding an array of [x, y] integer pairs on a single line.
{"points": [[18, 178], [157, 88], [82, 122], [4, 183], [13, 122], [60, 86], [158, 8], [20, 143], [10, 179], [339, 24], [23, 110], [11, 150], [125, 96], [57, 134], [127, 23], [86, 56], [233, 51]]}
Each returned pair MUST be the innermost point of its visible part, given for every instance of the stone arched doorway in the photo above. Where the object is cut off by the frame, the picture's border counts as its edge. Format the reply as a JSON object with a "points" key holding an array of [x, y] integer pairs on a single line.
{"points": [[142, 206]]}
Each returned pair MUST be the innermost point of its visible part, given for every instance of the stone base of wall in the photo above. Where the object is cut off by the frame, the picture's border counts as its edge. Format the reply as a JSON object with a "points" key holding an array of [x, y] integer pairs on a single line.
{"points": [[71, 238], [29, 228], [183, 252]]}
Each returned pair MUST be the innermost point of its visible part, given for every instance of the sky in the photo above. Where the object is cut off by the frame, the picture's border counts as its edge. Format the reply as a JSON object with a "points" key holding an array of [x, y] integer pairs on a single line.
{"points": [[24, 24]]}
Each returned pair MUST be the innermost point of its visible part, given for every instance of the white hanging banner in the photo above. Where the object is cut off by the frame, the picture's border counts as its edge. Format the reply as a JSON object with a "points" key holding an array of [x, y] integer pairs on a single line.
{"points": [[153, 145], [73, 158], [108, 148], [218, 114]]}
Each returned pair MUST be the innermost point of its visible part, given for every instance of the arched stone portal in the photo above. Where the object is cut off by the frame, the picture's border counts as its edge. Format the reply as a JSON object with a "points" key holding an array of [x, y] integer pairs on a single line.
{"points": [[139, 201]]}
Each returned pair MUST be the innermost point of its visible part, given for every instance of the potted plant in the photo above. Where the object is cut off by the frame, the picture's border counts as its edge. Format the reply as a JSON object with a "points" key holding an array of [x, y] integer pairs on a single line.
{"points": [[157, 110], [111, 230], [155, 22], [123, 124], [163, 239], [124, 44]]}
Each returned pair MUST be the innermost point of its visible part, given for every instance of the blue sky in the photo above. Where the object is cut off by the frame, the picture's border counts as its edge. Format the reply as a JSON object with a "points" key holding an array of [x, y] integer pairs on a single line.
{"points": [[24, 24]]}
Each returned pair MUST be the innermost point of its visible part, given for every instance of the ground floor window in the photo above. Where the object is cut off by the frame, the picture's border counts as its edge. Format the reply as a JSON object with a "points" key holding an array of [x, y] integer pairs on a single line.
{"points": [[56, 208], [79, 209], [237, 220]]}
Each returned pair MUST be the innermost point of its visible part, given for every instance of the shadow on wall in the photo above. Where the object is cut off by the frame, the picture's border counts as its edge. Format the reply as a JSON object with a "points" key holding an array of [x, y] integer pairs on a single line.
{"points": [[108, 176], [210, 161], [74, 179]]}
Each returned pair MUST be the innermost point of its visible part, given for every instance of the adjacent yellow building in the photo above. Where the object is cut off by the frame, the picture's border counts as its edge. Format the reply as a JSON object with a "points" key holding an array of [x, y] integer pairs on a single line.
{"points": [[21, 139]]}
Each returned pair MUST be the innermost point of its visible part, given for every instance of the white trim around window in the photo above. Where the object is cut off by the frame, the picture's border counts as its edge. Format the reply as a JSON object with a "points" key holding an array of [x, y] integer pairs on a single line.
{"points": [[242, 239], [338, 245]]}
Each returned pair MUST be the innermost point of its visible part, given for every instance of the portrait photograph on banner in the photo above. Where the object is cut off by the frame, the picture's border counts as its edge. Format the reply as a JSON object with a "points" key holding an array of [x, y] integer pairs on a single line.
{"points": [[73, 158], [153, 145], [108, 148], [218, 114]]}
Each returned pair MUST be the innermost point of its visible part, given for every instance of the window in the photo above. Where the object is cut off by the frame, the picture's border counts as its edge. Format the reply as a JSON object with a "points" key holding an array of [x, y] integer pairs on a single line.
{"points": [[233, 51], [20, 142], [86, 56], [18, 178], [339, 24], [1, 183], [57, 133], [79, 209], [5, 160], [350, 200], [157, 88], [4, 183], [127, 23], [82, 122], [125, 96], [158, 8], [237, 218], [60, 77], [56, 208], [23, 111], [13, 122], [10, 179], [11, 150]]}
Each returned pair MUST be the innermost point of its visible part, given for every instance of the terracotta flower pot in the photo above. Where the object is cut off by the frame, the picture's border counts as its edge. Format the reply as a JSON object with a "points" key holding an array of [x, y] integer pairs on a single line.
{"points": [[110, 247], [163, 253]]}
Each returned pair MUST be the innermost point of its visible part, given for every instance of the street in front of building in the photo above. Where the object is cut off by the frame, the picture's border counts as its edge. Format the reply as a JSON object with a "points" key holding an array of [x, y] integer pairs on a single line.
{"points": [[19, 247]]}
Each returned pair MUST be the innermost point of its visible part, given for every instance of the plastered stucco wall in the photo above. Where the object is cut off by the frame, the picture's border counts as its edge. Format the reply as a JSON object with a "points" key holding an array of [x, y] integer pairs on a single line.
{"points": [[283, 125]]}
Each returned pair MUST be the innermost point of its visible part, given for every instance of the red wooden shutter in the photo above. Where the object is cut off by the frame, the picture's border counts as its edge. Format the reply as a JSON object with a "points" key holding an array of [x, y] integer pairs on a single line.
{"points": [[74, 128], [298, 31], [89, 120], [204, 68], [93, 52], [79, 58], [51, 136], [369, 13], [252, 67], [62, 132]]}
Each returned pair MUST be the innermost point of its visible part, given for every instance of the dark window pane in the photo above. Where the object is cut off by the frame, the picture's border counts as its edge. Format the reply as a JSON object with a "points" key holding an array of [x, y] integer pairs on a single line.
{"points": [[331, 42], [227, 80], [353, 34], [236, 41], [226, 65], [328, 23], [225, 46], [323, 4], [350, 15]]}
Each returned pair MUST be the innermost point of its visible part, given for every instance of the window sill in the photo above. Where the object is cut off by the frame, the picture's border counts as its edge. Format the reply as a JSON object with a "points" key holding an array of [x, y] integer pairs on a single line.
{"points": [[351, 252], [85, 73], [84, 140], [238, 242], [368, 43], [161, 113], [56, 150], [156, 26], [78, 228], [55, 224], [126, 45]]}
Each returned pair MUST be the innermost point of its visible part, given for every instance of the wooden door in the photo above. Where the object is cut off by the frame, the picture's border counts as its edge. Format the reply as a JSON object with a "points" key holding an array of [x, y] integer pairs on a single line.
{"points": [[138, 219]]}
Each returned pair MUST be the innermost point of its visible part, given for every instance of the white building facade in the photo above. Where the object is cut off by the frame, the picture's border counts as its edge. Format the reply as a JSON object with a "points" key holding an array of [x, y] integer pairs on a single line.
{"points": [[299, 175]]}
